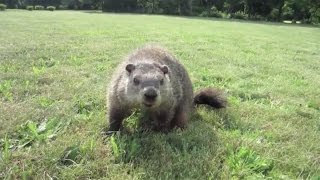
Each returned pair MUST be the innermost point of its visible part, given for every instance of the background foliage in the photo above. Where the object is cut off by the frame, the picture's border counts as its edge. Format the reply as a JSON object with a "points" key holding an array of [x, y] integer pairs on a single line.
{"points": [[307, 11]]}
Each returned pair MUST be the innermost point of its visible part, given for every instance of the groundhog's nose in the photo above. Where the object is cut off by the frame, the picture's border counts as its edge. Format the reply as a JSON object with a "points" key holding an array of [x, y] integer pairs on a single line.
{"points": [[150, 94]]}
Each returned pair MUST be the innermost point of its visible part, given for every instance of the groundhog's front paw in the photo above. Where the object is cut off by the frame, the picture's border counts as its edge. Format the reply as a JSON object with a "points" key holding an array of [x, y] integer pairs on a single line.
{"points": [[108, 132]]}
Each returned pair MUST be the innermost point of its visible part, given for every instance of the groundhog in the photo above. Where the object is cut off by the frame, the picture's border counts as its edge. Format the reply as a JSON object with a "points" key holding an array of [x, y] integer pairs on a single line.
{"points": [[153, 80]]}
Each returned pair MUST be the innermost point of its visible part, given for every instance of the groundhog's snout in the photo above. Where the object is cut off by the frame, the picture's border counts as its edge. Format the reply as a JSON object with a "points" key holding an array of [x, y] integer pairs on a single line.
{"points": [[150, 95]]}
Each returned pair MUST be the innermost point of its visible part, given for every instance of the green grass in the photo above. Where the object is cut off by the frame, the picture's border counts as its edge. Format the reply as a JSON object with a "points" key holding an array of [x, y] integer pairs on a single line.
{"points": [[55, 68]]}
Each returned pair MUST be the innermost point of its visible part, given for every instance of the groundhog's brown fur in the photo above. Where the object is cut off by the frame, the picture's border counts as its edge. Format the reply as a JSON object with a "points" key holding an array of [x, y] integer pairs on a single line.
{"points": [[153, 80], [210, 96]]}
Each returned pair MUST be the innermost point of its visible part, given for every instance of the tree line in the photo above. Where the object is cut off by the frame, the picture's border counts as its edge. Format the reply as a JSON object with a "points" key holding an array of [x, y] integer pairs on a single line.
{"points": [[59, 4], [307, 11]]}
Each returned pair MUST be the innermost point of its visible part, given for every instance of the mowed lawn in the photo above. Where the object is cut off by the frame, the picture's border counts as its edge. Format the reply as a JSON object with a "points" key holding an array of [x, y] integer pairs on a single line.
{"points": [[55, 68]]}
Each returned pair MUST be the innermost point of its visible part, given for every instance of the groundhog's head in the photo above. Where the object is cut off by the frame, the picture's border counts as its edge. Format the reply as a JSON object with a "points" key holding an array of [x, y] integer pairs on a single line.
{"points": [[147, 83]]}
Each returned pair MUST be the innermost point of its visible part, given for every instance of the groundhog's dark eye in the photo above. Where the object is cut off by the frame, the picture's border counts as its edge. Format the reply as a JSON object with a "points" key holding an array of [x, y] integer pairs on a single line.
{"points": [[161, 81], [136, 81]]}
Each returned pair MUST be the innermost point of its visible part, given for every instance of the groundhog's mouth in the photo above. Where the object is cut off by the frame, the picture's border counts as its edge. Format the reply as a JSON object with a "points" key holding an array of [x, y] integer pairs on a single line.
{"points": [[147, 104]]}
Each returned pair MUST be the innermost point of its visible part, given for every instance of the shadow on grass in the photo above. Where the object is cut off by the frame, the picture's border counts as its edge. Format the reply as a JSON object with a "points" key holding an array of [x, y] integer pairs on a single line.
{"points": [[191, 153]]}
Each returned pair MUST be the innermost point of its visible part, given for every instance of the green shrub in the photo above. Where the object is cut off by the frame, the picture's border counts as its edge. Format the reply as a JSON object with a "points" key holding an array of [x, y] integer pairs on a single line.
{"points": [[217, 14], [204, 14], [197, 10], [51, 8], [63, 7], [315, 15], [3, 7], [307, 21], [29, 8], [256, 18], [213, 12], [287, 12], [38, 7], [274, 14], [239, 15]]}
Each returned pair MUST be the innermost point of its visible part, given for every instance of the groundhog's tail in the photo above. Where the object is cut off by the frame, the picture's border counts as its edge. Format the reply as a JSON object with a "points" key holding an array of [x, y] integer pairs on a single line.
{"points": [[210, 96]]}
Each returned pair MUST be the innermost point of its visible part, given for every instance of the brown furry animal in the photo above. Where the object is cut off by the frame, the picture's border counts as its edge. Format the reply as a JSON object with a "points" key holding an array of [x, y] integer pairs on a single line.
{"points": [[153, 80]]}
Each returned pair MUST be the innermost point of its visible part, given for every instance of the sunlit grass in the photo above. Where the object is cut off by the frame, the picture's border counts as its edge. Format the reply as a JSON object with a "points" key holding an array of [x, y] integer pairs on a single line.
{"points": [[55, 68]]}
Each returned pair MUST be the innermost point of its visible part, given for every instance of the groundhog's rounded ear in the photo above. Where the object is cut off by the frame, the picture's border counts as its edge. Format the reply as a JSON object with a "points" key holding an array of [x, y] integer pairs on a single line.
{"points": [[130, 67], [164, 69]]}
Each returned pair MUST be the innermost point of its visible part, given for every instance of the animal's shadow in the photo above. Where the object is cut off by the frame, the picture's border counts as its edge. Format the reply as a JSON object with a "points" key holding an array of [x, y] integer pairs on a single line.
{"points": [[193, 152]]}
